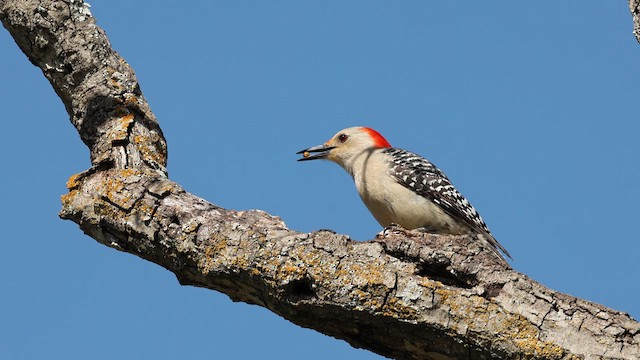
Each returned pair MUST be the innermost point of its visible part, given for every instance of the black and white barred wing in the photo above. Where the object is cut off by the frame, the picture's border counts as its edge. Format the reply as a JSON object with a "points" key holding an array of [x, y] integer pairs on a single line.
{"points": [[424, 178]]}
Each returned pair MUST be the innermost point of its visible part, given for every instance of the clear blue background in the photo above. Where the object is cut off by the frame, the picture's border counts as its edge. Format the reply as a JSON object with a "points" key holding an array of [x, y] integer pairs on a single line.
{"points": [[530, 108]]}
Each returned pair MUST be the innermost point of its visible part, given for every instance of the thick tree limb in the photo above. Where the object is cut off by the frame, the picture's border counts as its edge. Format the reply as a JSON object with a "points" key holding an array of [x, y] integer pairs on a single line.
{"points": [[404, 295]]}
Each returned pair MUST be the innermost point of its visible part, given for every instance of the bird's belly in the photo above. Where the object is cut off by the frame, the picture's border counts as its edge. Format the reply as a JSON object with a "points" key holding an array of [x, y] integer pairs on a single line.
{"points": [[395, 204]]}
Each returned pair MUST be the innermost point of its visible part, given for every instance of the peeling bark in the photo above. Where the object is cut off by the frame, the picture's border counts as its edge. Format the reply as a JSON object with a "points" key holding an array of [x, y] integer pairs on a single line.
{"points": [[405, 294]]}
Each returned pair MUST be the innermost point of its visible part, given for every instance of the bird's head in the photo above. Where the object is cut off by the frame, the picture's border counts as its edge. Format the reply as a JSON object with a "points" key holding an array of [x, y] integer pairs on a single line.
{"points": [[346, 145]]}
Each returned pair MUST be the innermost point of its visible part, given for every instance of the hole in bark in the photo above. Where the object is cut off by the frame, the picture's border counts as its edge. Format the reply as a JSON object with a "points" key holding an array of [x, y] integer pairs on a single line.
{"points": [[438, 268], [174, 219], [301, 288], [492, 290], [441, 274]]}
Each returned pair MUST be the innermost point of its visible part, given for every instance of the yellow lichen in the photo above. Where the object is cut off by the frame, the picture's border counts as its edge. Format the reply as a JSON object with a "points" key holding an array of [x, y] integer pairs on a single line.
{"points": [[68, 197], [476, 312], [144, 210], [128, 172], [131, 100], [126, 120], [74, 181], [527, 336], [116, 84], [290, 271], [397, 308], [190, 227], [146, 145], [216, 251], [121, 129], [114, 188]]}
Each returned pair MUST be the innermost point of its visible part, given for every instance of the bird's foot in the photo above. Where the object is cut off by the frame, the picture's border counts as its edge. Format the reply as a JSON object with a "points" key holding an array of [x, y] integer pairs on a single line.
{"points": [[392, 229]]}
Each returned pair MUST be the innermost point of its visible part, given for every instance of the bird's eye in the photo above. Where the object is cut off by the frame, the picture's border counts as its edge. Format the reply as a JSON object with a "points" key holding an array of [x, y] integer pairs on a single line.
{"points": [[343, 137]]}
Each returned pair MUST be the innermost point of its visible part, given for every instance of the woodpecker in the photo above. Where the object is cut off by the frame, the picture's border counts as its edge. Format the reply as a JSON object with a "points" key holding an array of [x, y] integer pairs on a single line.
{"points": [[400, 187]]}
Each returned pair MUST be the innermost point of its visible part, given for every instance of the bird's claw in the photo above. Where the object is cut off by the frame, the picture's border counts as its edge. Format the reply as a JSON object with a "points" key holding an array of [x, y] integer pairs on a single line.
{"points": [[392, 229]]}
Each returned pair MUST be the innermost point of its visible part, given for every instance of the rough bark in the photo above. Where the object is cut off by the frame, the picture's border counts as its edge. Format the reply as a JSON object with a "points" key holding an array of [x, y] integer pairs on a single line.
{"points": [[404, 294], [634, 7]]}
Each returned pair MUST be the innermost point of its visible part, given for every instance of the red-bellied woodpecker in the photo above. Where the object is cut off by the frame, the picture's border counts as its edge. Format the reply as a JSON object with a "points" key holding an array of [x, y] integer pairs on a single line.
{"points": [[400, 187]]}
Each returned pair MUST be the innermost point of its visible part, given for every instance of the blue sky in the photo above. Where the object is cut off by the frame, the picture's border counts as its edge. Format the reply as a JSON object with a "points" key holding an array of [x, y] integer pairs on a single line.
{"points": [[530, 109]]}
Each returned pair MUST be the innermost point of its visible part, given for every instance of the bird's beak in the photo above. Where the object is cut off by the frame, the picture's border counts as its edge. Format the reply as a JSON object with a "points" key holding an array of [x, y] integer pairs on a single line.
{"points": [[316, 152]]}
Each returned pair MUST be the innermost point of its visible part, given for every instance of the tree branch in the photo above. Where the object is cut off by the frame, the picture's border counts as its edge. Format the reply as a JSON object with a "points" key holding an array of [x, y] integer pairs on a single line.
{"points": [[404, 294], [634, 7]]}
